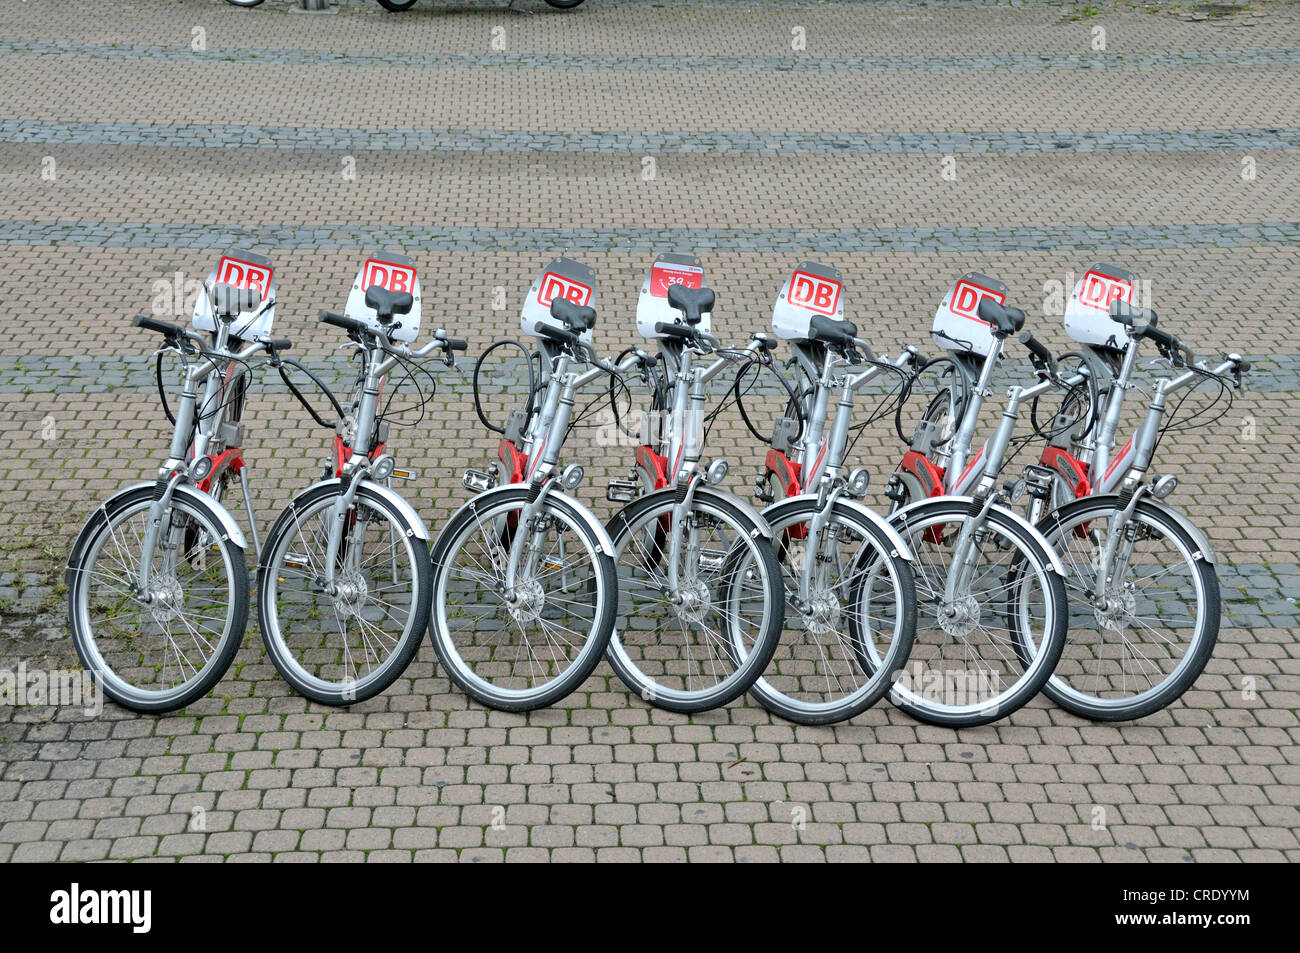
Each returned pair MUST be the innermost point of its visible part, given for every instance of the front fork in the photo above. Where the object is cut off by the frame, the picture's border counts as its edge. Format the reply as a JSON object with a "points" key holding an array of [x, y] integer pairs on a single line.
{"points": [[344, 506], [160, 507], [966, 549], [1113, 560], [812, 546], [692, 543], [528, 534]]}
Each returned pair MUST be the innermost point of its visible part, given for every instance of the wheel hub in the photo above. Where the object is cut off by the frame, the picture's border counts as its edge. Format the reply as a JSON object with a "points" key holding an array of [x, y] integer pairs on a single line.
{"points": [[1115, 613], [960, 617], [350, 594], [822, 614], [529, 599], [165, 597], [693, 602]]}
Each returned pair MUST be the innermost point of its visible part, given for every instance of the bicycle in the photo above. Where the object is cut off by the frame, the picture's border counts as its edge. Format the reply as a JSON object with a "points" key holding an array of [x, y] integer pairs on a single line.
{"points": [[991, 601], [524, 581], [1144, 590], [344, 587], [700, 598], [157, 578], [850, 591]]}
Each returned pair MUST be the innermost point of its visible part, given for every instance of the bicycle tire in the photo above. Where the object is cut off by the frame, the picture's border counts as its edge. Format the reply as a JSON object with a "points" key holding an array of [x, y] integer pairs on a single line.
{"points": [[94, 649]]}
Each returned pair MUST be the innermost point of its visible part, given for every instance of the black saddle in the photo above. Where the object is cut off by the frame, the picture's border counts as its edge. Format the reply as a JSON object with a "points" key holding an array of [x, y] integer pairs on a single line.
{"points": [[388, 303], [1005, 320], [691, 302], [228, 301], [575, 317]]}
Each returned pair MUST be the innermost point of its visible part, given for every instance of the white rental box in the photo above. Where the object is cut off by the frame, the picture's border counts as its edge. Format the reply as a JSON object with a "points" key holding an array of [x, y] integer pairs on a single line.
{"points": [[957, 325], [811, 289], [242, 269], [392, 272], [561, 278], [652, 306], [1087, 313]]}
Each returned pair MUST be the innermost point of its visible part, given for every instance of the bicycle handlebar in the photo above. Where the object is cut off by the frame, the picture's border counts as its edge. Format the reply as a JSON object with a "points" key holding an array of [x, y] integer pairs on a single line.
{"points": [[347, 324], [161, 327], [673, 330], [559, 335], [1038, 351]]}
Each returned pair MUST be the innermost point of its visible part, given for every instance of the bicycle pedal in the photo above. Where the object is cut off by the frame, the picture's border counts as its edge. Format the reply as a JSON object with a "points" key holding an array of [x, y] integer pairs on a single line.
{"points": [[477, 481], [621, 491]]}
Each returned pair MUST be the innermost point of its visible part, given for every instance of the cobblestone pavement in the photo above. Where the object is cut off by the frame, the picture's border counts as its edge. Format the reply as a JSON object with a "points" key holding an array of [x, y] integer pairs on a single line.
{"points": [[138, 139]]}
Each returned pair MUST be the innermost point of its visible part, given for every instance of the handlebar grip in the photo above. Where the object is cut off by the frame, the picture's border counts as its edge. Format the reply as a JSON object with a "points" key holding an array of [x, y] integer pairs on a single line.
{"points": [[674, 330], [1036, 347], [558, 334], [161, 327], [457, 344], [1162, 339], [1243, 364], [340, 321], [279, 344]]}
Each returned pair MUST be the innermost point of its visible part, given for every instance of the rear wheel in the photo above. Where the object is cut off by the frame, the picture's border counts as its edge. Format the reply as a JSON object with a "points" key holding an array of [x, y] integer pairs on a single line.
{"points": [[396, 6]]}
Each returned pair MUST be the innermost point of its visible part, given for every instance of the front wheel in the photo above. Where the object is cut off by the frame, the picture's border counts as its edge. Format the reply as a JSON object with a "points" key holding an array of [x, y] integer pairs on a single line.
{"points": [[396, 6], [522, 643], [860, 606], [165, 649], [563, 4], [350, 644], [1138, 647], [704, 643], [984, 649]]}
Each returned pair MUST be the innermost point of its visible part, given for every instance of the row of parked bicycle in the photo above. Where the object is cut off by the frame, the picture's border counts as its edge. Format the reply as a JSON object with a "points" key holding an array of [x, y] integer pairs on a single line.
{"points": [[973, 594]]}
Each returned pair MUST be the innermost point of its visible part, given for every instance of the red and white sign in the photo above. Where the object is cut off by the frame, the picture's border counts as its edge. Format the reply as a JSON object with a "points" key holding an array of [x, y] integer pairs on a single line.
{"points": [[388, 275], [664, 274], [814, 293], [244, 274], [1097, 291], [966, 298], [554, 286]]}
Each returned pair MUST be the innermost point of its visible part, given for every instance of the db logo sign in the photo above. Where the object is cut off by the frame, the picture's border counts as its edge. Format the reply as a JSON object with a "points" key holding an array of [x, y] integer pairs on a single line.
{"points": [[388, 275], [243, 274], [1098, 291], [554, 286], [966, 298], [662, 276], [814, 293]]}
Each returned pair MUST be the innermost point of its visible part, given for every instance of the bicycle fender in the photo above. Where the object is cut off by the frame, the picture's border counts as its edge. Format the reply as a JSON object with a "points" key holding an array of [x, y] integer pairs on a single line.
{"points": [[866, 513], [764, 529], [390, 496], [588, 518], [1206, 550], [1011, 516], [108, 506]]}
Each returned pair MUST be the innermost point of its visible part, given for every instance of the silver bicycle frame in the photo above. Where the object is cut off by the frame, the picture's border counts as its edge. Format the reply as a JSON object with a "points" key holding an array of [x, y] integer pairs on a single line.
{"points": [[380, 359], [543, 440], [820, 456], [175, 470]]}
